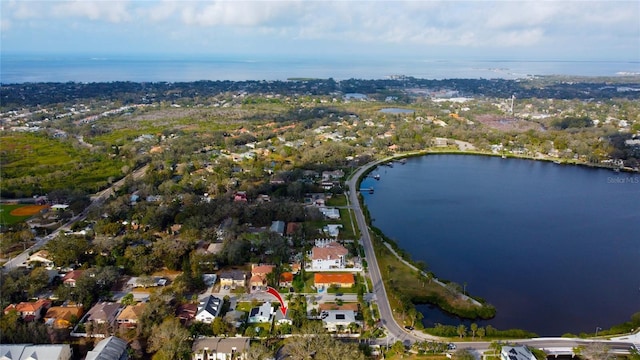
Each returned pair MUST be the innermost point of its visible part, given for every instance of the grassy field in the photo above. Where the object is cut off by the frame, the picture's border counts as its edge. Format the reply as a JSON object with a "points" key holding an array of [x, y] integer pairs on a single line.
{"points": [[6, 216], [35, 164]]}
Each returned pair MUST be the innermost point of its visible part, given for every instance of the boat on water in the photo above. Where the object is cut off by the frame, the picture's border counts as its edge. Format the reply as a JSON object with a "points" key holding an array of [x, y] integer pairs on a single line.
{"points": [[557, 162], [376, 176]]}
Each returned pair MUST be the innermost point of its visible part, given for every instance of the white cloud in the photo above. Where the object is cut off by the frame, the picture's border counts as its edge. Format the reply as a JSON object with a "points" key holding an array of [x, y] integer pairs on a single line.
{"points": [[364, 24], [111, 11]]}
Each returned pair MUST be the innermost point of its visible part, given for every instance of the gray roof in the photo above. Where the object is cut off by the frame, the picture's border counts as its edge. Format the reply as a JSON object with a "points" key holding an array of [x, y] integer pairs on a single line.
{"points": [[221, 345], [104, 311], [111, 348], [210, 304], [29, 351], [233, 274], [277, 227]]}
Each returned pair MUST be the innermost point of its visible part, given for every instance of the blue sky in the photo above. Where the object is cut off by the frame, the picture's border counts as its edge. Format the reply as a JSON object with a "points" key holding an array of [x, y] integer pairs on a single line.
{"points": [[538, 30]]}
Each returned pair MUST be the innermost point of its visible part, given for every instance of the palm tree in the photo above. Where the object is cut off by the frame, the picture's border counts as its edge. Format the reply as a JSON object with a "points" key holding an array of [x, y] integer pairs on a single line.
{"points": [[461, 330], [474, 328]]}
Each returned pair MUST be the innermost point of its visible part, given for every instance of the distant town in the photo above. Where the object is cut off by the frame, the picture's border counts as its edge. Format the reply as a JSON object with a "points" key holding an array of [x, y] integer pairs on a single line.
{"points": [[223, 220]]}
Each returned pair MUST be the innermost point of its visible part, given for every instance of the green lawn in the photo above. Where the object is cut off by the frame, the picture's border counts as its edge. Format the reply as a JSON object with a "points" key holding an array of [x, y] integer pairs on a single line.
{"points": [[337, 200], [6, 218]]}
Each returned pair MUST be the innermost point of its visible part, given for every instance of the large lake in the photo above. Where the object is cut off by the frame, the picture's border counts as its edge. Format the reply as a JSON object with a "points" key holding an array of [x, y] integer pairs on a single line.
{"points": [[555, 248]]}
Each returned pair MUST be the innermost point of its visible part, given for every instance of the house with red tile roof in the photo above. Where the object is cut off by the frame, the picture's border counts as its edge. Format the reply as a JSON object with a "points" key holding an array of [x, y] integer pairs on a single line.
{"points": [[325, 280], [71, 277], [328, 256], [29, 311], [259, 274], [286, 279]]}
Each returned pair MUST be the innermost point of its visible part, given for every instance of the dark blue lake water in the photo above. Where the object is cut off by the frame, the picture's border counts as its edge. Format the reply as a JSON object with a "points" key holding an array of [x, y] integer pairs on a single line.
{"points": [[555, 248]]}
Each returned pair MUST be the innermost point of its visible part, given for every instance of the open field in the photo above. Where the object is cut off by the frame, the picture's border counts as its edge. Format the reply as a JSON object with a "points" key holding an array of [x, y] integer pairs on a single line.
{"points": [[15, 213]]}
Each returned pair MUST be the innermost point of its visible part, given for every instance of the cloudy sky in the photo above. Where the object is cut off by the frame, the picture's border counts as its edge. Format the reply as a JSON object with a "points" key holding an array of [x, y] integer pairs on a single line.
{"points": [[539, 30]]}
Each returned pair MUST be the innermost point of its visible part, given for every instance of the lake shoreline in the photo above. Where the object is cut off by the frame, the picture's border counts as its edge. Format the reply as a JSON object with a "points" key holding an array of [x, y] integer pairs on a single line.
{"points": [[380, 163]]}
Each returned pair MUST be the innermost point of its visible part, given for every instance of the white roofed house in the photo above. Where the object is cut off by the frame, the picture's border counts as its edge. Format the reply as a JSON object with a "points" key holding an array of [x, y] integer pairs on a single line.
{"points": [[35, 352], [330, 213], [336, 320], [208, 309], [261, 314]]}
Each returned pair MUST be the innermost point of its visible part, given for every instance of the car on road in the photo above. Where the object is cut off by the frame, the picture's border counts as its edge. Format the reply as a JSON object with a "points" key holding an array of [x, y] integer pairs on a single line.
{"points": [[451, 346], [409, 328]]}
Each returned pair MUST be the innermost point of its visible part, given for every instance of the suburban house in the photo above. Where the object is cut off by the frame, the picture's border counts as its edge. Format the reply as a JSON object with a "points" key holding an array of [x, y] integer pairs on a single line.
{"points": [[208, 309], [261, 314], [332, 230], [33, 352], [42, 257], [336, 320], [516, 353], [130, 315], [259, 274], [186, 313], [146, 281], [332, 175], [330, 213], [286, 279], [103, 313], [233, 278], [292, 227], [71, 277], [215, 348], [30, 311], [281, 319], [315, 199], [325, 280], [111, 348], [277, 227], [62, 317], [328, 255]]}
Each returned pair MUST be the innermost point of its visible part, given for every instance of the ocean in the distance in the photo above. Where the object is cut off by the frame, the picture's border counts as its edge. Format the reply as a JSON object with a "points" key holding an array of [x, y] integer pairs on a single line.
{"points": [[21, 68]]}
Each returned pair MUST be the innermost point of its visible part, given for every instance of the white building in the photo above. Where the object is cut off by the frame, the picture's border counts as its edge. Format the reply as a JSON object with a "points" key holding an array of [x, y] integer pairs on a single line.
{"points": [[330, 213], [261, 314], [516, 353], [334, 320], [328, 256], [208, 309]]}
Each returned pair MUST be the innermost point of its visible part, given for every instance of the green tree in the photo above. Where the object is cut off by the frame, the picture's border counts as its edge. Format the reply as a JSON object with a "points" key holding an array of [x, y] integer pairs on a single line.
{"points": [[66, 250], [128, 300], [218, 326], [474, 329], [169, 341], [461, 330]]}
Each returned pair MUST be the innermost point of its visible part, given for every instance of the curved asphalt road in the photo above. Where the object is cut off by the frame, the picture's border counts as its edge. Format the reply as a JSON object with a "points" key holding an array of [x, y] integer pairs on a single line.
{"points": [[395, 331]]}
